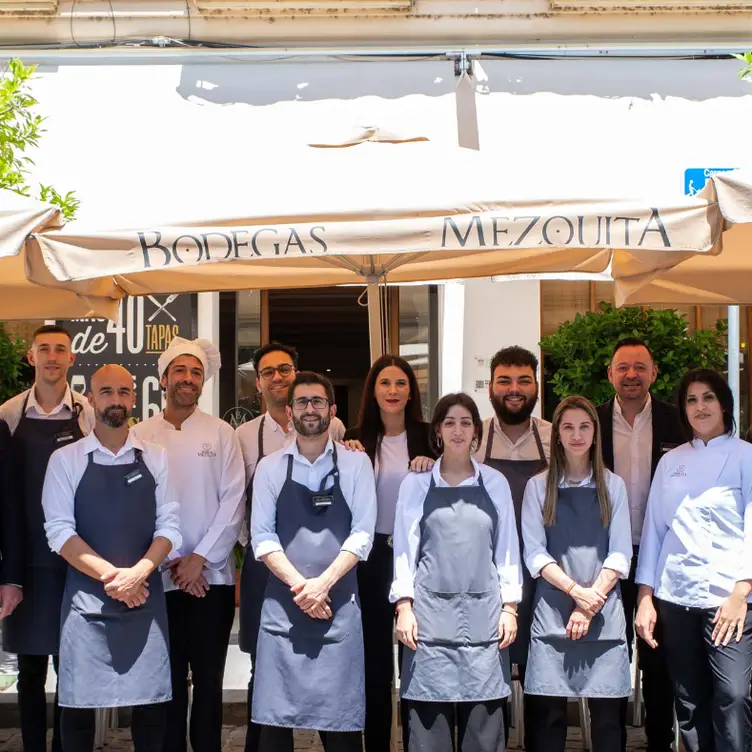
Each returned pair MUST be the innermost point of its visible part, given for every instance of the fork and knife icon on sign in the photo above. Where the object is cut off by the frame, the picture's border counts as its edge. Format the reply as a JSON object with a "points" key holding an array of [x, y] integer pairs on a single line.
{"points": [[162, 307]]}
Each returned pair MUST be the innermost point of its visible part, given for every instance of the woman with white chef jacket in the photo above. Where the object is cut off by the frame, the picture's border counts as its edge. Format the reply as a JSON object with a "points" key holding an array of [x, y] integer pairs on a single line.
{"points": [[577, 545], [391, 430], [696, 557], [457, 582]]}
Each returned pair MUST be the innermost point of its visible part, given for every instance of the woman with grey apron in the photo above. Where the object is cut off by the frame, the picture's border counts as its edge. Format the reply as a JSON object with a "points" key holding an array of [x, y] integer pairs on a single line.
{"points": [[577, 544], [457, 584]]}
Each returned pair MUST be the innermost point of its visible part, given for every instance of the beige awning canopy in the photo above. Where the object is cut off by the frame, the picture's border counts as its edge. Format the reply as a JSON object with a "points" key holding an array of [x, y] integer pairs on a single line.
{"points": [[403, 212], [20, 299]]}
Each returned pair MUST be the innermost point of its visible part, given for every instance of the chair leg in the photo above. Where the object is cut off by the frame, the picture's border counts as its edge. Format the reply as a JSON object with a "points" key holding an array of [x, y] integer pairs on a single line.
{"points": [[587, 742], [396, 734], [518, 713], [677, 736], [637, 719]]}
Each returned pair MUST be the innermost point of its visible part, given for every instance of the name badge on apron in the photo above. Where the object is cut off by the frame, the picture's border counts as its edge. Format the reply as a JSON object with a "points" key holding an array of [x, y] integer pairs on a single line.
{"points": [[132, 477], [64, 436], [322, 501]]}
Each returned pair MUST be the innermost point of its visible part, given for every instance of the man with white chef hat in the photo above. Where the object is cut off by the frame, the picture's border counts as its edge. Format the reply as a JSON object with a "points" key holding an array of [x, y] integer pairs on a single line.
{"points": [[206, 467]]}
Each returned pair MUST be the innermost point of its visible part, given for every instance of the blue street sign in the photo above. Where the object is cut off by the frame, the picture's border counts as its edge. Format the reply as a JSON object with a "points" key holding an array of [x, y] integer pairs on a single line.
{"points": [[696, 177]]}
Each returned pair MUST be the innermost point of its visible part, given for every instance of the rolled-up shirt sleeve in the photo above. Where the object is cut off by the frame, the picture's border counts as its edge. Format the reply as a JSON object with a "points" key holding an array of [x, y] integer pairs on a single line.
{"points": [[58, 502], [745, 568], [363, 508], [653, 532], [619, 558], [406, 539], [507, 549], [533, 531], [168, 509], [264, 538]]}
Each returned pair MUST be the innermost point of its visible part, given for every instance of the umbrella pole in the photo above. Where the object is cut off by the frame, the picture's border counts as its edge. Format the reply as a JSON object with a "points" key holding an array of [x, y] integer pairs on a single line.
{"points": [[734, 363], [375, 328]]}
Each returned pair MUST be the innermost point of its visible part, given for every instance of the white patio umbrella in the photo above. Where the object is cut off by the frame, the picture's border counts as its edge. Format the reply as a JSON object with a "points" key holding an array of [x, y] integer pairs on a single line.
{"points": [[387, 208]]}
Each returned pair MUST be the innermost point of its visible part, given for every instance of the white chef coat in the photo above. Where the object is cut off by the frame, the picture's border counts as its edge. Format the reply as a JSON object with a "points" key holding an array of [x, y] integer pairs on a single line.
{"points": [[10, 411], [633, 461], [356, 482], [525, 448], [66, 468], [206, 468], [391, 468], [412, 495], [535, 551], [697, 538]]}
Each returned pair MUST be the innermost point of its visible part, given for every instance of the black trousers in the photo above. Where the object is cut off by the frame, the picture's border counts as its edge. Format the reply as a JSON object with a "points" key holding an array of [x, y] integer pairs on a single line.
{"points": [[199, 635], [480, 726], [657, 689], [276, 739], [712, 684], [32, 703], [148, 728], [549, 731]]}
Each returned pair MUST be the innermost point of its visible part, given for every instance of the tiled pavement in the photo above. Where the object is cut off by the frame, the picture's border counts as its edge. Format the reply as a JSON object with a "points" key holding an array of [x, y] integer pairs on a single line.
{"points": [[234, 738]]}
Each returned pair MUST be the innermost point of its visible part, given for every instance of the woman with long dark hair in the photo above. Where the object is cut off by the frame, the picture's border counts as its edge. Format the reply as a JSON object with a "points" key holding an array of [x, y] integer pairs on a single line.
{"points": [[457, 583], [392, 432], [577, 545], [696, 559]]}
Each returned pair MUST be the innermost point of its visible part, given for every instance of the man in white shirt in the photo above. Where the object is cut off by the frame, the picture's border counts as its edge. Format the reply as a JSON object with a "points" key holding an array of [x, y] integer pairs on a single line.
{"points": [[113, 642], [313, 517], [637, 430], [276, 367], [206, 467], [42, 419]]}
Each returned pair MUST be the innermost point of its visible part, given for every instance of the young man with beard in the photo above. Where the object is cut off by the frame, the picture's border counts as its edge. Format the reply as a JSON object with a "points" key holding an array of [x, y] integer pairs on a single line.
{"points": [[637, 431], [518, 445], [113, 642], [312, 521], [42, 419], [276, 367], [206, 467]]}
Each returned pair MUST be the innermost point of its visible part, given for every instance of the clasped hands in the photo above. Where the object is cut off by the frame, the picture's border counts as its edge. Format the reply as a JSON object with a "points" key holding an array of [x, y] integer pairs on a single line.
{"points": [[127, 584], [589, 602], [312, 596]]}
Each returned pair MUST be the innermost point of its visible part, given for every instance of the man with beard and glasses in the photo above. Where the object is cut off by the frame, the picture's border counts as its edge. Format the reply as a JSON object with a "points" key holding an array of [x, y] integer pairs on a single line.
{"points": [[276, 367], [312, 521], [42, 419], [111, 515], [637, 431], [516, 444], [206, 467]]}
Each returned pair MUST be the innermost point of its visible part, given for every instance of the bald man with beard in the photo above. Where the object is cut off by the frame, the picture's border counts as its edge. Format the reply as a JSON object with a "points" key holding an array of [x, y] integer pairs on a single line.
{"points": [[110, 513]]}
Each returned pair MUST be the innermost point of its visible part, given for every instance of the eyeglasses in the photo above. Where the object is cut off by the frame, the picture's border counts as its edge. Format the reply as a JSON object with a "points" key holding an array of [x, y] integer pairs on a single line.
{"points": [[301, 403], [284, 370]]}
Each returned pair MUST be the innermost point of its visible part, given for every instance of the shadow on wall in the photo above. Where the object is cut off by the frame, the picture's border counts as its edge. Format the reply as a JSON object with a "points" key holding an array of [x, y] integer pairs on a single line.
{"points": [[261, 83]]}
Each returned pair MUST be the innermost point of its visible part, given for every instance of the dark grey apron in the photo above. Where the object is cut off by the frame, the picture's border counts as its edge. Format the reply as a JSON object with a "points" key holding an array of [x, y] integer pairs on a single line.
{"points": [[310, 672], [596, 665], [518, 473], [457, 601], [34, 627], [254, 574]]}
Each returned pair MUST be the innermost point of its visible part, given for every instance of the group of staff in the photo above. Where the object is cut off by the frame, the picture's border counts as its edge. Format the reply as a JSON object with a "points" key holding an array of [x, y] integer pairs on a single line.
{"points": [[492, 543]]}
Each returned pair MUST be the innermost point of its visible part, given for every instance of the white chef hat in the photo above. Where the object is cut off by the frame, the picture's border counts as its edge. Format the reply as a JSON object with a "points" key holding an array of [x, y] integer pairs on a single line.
{"points": [[202, 349]]}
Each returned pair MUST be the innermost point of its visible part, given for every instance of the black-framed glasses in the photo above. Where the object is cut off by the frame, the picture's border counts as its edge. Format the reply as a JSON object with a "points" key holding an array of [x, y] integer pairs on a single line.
{"points": [[301, 403], [284, 370]]}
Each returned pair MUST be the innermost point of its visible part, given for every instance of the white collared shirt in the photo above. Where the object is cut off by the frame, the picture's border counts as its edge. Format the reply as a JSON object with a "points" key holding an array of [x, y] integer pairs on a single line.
{"points": [[206, 469], [697, 538], [633, 461], [10, 411], [356, 482], [535, 550], [525, 448], [412, 495], [66, 468]]}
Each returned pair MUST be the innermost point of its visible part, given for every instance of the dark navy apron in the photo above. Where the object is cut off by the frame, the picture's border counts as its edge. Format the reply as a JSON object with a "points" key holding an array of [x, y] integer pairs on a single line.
{"points": [[596, 665], [34, 627], [457, 601], [518, 473], [253, 575], [310, 672], [111, 655]]}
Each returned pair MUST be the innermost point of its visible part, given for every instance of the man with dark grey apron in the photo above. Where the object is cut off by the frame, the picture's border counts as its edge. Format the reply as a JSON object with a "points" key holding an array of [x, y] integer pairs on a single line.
{"points": [[45, 418], [275, 365], [312, 520], [517, 445], [110, 514]]}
